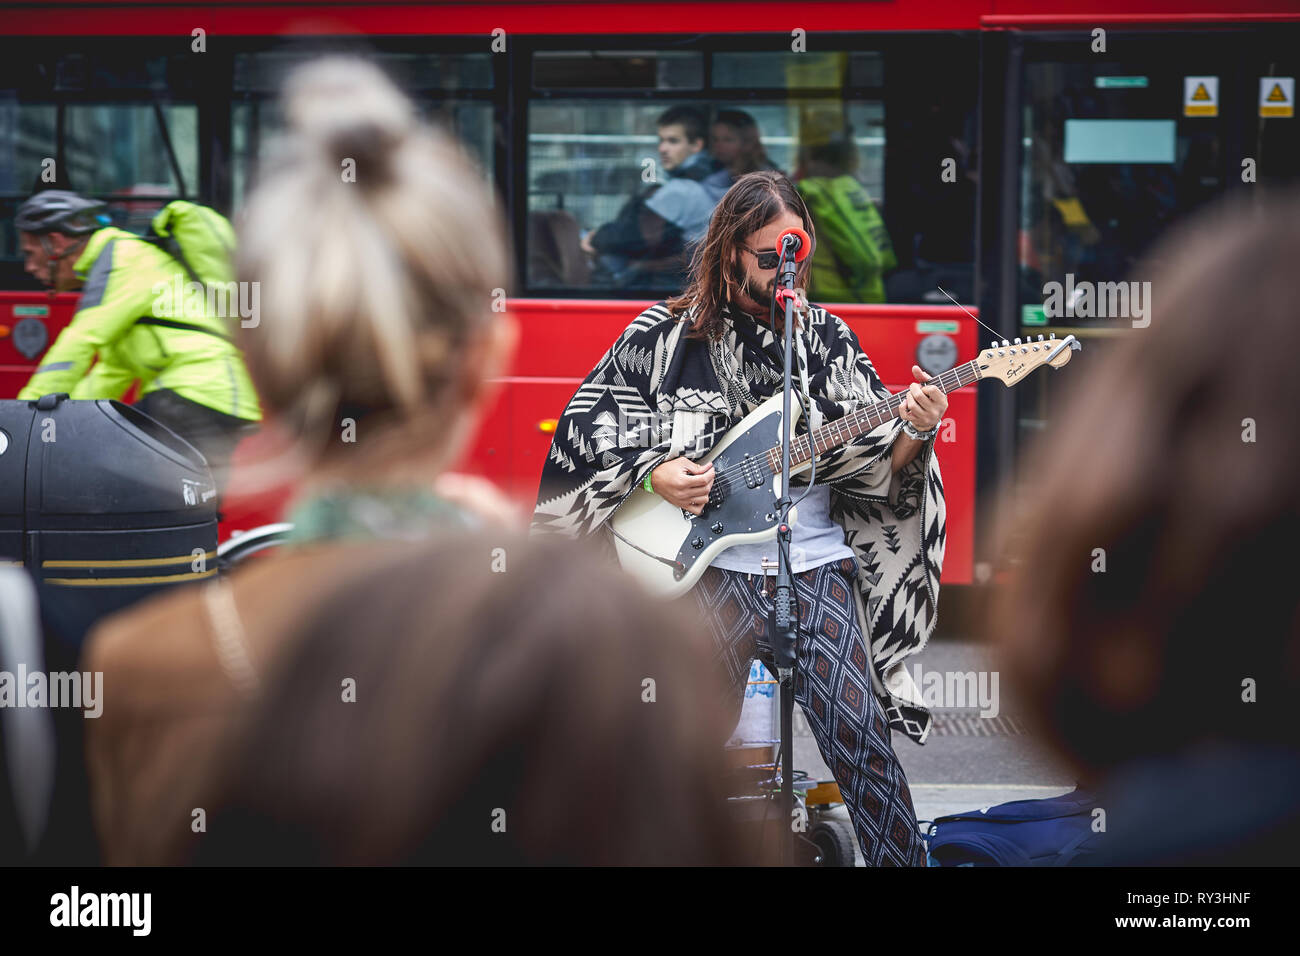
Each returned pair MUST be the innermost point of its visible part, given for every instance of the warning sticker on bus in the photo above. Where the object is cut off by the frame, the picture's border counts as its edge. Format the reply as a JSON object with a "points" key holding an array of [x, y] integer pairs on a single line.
{"points": [[1277, 96], [1200, 96]]}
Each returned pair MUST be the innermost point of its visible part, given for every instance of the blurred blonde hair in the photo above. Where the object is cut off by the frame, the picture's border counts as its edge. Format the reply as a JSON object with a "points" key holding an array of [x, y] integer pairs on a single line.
{"points": [[378, 253]]}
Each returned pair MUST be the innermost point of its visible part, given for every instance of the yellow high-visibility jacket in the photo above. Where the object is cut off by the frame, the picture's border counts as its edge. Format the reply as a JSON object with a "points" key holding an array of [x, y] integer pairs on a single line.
{"points": [[133, 315]]}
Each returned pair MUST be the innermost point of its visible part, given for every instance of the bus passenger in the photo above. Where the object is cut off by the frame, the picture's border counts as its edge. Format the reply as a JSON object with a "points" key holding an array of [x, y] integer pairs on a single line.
{"points": [[855, 252], [736, 143], [650, 241]]}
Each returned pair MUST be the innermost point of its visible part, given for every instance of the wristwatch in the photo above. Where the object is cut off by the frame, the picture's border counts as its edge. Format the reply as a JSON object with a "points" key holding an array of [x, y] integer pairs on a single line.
{"points": [[911, 431]]}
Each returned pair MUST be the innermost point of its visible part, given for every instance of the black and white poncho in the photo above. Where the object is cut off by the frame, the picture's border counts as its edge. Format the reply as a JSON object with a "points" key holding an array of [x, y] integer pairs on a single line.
{"points": [[693, 391]]}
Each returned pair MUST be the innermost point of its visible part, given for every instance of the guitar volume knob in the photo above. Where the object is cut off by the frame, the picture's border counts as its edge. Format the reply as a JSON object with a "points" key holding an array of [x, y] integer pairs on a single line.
{"points": [[717, 527], [697, 543]]}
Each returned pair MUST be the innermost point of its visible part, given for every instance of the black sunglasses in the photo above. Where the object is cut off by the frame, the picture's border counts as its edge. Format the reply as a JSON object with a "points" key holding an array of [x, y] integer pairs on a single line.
{"points": [[766, 260]]}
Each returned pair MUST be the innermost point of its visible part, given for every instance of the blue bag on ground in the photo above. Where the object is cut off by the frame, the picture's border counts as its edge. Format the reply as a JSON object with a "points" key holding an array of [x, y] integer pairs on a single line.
{"points": [[1052, 832]]}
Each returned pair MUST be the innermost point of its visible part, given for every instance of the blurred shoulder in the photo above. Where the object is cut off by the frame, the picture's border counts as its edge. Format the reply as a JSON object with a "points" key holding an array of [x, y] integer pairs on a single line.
{"points": [[125, 642], [551, 584], [162, 648]]}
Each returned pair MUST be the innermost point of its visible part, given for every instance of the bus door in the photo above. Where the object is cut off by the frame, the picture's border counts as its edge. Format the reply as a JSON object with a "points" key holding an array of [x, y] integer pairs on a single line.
{"points": [[1122, 136]]}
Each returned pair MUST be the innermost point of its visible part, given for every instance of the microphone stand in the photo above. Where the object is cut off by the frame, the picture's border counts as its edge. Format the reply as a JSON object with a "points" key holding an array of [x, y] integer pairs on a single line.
{"points": [[784, 607]]}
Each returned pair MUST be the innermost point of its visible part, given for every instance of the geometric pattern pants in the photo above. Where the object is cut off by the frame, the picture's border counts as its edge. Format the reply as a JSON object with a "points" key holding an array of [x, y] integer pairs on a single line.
{"points": [[832, 685]]}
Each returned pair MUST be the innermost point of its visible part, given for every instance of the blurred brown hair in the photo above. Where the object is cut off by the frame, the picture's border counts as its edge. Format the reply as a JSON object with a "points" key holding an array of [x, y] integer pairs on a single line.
{"points": [[717, 272], [1197, 525], [477, 691]]}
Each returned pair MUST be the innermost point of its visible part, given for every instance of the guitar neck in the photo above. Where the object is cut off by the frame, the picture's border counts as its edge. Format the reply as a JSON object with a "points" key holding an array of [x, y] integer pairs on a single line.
{"points": [[844, 430]]}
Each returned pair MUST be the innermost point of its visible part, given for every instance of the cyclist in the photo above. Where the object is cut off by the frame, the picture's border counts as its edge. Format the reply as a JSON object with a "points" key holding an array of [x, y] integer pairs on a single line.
{"points": [[191, 375]]}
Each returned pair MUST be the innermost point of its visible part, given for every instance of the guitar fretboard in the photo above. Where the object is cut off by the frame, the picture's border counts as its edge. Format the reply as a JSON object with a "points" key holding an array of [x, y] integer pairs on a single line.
{"points": [[844, 430]]}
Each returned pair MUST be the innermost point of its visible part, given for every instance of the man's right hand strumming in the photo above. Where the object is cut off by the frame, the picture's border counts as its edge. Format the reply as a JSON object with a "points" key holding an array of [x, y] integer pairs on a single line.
{"points": [[683, 483]]}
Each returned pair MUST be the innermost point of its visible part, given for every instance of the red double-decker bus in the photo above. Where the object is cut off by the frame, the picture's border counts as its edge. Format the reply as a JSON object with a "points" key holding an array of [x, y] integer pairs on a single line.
{"points": [[1005, 146]]}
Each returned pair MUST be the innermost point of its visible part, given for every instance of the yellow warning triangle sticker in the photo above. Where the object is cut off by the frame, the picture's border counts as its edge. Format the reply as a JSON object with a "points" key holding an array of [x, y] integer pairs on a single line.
{"points": [[1201, 92], [1276, 95]]}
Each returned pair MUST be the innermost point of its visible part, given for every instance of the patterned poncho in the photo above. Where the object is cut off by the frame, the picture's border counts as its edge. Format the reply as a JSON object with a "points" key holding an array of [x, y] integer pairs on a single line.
{"points": [[657, 394]]}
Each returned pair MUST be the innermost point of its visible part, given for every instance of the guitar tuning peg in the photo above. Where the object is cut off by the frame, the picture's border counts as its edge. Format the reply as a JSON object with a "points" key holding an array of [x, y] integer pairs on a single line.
{"points": [[1006, 344], [993, 344], [1017, 341], [1040, 336], [1052, 335]]}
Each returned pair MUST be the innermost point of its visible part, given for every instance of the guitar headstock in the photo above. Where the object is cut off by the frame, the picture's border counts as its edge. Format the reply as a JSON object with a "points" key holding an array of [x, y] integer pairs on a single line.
{"points": [[1012, 361]]}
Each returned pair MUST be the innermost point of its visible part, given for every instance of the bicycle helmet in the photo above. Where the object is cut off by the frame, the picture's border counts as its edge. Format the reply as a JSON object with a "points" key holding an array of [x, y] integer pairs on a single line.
{"points": [[59, 210]]}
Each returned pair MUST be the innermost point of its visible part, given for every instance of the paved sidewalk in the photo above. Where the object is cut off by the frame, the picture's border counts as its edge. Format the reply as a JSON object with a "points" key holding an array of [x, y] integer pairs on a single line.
{"points": [[969, 761]]}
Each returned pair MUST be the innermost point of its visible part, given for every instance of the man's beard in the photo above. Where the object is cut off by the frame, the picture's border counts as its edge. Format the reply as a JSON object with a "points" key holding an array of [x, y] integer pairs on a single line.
{"points": [[746, 290]]}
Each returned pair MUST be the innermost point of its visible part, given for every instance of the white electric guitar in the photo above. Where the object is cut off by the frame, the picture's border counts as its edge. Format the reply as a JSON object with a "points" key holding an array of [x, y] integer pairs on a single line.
{"points": [[667, 548]]}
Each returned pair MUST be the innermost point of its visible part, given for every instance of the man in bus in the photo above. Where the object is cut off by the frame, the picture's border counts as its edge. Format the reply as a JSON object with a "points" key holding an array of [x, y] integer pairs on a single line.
{"points": [[191, 375], [649, 242], [868, 539]]}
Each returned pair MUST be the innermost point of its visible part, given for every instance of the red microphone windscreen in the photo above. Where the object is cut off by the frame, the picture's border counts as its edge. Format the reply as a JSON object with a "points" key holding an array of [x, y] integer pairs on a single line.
{"points": [[805, 244]]}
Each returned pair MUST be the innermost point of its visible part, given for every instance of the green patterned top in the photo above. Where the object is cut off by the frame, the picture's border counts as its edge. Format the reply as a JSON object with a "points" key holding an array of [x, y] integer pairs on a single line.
{"points": [[358, 514]]}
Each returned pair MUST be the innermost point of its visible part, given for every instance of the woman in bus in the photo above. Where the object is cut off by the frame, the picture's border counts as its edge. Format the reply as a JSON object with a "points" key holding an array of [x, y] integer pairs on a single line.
{"points": [[376, 353], [736, 143]]}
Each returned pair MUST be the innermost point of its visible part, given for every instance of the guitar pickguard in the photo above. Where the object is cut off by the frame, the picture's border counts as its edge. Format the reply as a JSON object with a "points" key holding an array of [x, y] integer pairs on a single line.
{"points": [[667, 548], [743, 499]]}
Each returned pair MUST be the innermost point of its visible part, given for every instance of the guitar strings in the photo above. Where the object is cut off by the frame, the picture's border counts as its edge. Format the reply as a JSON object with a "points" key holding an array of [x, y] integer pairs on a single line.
{"points": [[798, 444], [858, 417]]}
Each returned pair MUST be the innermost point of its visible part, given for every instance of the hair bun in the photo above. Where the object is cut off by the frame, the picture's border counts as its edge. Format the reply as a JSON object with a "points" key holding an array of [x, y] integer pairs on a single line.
{"points": [[348, 109]]}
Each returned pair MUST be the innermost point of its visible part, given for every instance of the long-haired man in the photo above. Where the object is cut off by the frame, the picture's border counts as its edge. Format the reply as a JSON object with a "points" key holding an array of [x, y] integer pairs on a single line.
{"points": [[868, 542]]}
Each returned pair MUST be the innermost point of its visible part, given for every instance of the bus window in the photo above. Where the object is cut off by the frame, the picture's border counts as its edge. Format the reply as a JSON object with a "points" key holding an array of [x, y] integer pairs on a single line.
{"points": [[26, 130], [618, 69], [117, 149], [452, 90], [796, 71], [116, 152], [612, 207], [136, 151]]}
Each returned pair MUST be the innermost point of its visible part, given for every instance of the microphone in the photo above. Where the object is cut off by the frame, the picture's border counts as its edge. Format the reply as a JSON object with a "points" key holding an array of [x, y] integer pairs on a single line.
{"points": [[796, 243]]}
